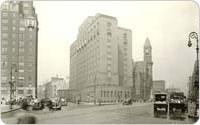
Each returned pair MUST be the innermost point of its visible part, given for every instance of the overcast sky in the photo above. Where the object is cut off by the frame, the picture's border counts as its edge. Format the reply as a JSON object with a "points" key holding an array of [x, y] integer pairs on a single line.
{"points": [[166, 24]]}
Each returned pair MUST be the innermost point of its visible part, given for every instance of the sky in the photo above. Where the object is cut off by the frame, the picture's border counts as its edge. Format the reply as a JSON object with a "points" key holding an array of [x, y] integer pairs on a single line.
{"points": [[167, 24]]}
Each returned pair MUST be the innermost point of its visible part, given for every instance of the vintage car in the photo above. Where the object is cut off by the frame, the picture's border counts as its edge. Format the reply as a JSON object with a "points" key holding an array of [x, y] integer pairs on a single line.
{"points": [[127, 102], [160, 102], [63, 102], [177, 101], [56, 104], [37, 106]]}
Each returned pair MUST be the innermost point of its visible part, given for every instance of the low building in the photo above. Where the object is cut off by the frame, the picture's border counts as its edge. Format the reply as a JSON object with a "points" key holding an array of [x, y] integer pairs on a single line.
{"points": [[158, 86], [52, 87]]}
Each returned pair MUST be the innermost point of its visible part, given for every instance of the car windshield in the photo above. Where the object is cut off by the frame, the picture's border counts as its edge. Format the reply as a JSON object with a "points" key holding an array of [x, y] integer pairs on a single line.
{"points": [[160, 97]]}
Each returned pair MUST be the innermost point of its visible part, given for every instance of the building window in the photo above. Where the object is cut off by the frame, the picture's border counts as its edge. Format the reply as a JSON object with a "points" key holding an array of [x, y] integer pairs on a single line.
{"points": [[21, 50], [21, 36], [13, 36], [21, 64], [4, 78], [21, 43], [4, 28], [109, 74], [25, 4], [22, 22], [20, 91], [22, 29], [4, 57], [14, 14], [13, 28], [21, 70], [4, 21], [14, 22], [13, 49], [21, 57], [4, 64], [21, 78], [109, 68], [4, 50], [29, 92], [109, 34], [4, 42], [5, 6], [4, 71], [26, 11], [5, 14], [4, 35], [108, 24], [125, 35], [3, 92]]}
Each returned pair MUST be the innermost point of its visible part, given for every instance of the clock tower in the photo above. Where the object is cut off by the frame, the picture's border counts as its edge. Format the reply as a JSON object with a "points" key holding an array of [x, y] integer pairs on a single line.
{"points": [[147, 51], [148, 66]]}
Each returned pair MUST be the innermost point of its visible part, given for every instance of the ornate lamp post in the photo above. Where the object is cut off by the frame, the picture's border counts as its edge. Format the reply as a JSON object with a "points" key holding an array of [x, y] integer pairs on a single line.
{"points": [[11, 82], [194, 35]]}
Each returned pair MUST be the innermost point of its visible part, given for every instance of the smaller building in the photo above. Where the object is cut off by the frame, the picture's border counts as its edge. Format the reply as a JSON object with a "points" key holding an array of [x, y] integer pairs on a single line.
{"points": [[51, 88], [170, 90], [158, 86]]}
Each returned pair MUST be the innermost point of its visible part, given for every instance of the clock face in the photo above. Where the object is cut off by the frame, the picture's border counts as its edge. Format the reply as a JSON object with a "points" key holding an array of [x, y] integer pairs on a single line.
{"points": [[146, 51]]}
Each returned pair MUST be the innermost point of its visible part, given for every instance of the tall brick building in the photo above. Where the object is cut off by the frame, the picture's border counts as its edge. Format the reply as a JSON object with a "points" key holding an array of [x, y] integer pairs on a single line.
{"points": [[19, 37]]}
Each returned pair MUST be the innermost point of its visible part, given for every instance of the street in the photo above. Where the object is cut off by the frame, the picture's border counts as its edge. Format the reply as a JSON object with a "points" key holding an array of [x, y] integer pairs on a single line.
{"points": [[138, 113]]}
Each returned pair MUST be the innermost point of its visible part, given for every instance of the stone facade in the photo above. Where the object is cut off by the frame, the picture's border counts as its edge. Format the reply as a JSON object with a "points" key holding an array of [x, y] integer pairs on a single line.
{"points": [[100, 61]]}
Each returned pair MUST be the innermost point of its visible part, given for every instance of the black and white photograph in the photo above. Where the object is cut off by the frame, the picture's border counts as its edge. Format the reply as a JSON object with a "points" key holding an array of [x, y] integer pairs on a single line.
{"points": [[99, 62]]}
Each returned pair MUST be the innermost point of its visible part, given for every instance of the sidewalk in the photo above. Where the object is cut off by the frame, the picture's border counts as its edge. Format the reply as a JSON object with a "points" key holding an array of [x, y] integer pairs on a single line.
{"points": [[6, 108]]}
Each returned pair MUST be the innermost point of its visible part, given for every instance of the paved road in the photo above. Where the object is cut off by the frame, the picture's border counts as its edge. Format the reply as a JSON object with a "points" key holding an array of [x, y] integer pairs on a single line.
{"points": [[138, 113]]}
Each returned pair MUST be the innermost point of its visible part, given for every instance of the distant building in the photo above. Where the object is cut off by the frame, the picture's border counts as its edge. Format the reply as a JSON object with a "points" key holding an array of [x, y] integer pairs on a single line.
{"points": [[173, 90], [100, 61], [19, 43], [52, 87], [142, 74], [158, 86]]}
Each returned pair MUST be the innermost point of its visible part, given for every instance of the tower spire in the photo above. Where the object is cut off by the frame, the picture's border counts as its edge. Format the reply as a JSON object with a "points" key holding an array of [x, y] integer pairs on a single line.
{"points": [[147, 43]]}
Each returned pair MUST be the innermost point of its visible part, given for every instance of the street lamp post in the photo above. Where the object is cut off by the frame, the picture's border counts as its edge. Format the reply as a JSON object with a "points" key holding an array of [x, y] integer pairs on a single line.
{"points": [[11, 83], [194, 35]]}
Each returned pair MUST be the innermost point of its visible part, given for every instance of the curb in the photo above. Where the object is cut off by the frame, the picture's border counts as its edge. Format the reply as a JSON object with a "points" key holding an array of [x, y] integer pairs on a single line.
{"points": [[10, 110]]}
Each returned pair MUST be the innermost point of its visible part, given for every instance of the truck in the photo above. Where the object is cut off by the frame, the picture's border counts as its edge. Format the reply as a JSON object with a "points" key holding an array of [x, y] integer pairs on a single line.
{"points": [[160, 102], [177, 101]]}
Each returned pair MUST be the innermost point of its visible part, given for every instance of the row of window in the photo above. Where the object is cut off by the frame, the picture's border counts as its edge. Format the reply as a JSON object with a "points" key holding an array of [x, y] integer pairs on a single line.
{"points": [[115, 94], [19, 91]]}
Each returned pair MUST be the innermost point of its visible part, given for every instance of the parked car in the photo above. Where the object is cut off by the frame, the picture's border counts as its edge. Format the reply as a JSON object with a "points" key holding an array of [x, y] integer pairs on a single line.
{"points": [[63, 102], [127, 102], [57, 105], [160, 102], [37, 106], [177, 101]]}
